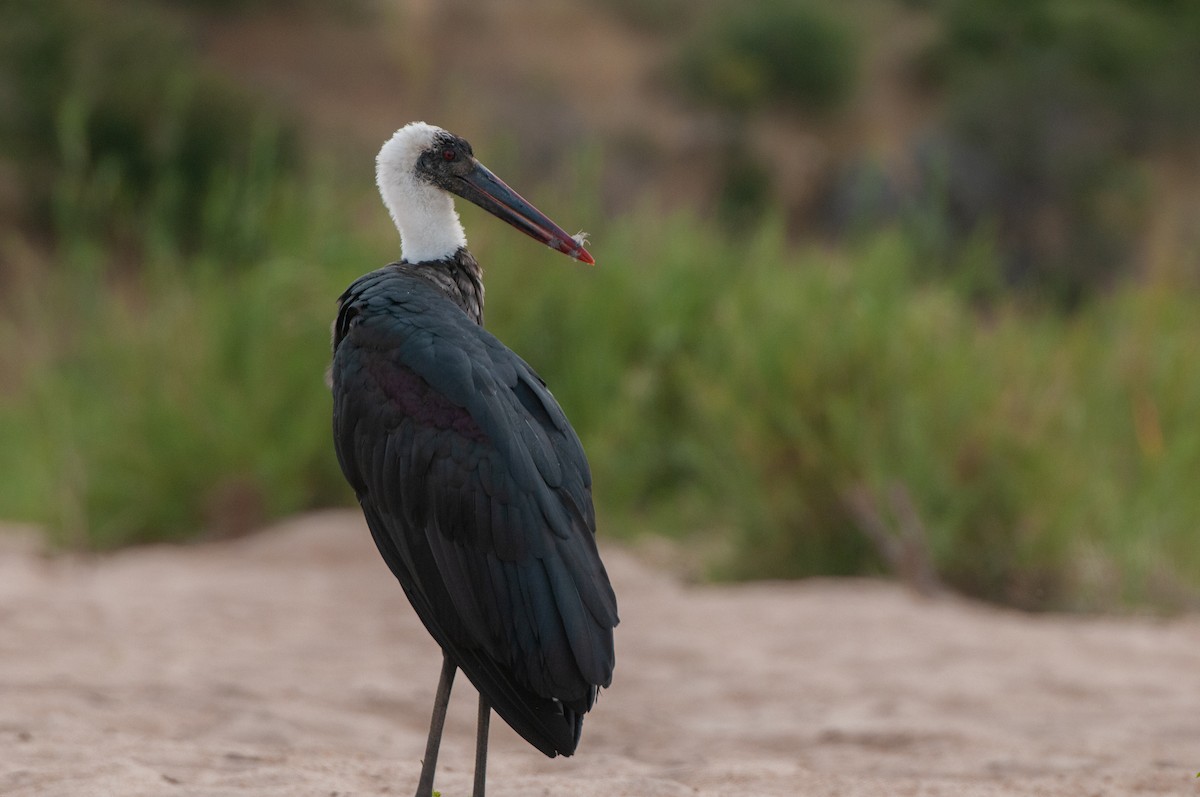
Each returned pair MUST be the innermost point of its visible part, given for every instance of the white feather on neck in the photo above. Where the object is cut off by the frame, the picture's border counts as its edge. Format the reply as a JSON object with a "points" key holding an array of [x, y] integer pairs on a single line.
{"points": [[424, 214]]}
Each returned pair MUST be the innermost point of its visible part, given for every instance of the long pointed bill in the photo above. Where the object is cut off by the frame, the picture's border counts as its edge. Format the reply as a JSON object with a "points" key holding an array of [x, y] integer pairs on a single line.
{"points": [[489, 192]]}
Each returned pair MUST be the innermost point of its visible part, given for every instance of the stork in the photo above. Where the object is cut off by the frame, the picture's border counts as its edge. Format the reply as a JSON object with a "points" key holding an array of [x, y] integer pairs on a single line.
{"points": [[472, 481]]}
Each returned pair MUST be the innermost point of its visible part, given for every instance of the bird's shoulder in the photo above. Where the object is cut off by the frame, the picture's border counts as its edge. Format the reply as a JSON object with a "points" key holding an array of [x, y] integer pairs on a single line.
{"points": [[399, 296], [397, 318], [399, 336]]}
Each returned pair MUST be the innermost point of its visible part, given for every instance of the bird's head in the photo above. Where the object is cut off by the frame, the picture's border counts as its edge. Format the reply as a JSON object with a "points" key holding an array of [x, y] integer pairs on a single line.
{"points": [[421, 165]]}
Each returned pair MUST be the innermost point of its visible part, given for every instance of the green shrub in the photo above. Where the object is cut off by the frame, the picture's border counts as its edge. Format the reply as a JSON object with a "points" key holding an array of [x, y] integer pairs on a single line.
{"points": [[790, 51], [733, 393], [117, 135], [1049, 105], [186, 400]]}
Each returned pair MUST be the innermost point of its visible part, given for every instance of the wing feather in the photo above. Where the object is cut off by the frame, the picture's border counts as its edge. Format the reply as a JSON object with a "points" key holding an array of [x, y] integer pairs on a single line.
{"points": [[478, 495]]}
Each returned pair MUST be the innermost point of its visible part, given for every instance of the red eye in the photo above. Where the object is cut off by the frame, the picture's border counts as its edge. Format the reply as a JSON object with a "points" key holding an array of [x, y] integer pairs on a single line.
{"points": [[448, 155]]}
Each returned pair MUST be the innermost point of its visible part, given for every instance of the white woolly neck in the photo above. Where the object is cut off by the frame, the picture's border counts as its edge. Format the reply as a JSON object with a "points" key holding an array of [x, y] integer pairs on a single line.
{"points": [[424, 214]]}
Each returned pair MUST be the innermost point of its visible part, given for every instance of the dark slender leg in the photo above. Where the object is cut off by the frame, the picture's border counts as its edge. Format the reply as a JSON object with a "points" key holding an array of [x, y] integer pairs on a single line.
{"points": [[440, 701], [481, 740]]}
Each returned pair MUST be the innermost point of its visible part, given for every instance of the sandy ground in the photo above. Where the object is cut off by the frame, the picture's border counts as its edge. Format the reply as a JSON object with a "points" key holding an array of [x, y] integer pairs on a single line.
{"points": [[288, 663]]}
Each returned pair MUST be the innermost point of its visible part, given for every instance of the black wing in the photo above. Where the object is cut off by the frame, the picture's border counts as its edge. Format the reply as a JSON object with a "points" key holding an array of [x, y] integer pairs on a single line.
{"points": [[478, 495]]}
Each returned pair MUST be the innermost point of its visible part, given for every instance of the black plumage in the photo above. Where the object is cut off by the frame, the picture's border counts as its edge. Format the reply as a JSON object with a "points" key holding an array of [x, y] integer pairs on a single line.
{"points": [[477, 493]]}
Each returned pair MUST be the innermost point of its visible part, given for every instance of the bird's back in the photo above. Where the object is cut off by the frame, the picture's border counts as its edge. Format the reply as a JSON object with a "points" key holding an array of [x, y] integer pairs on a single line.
{"points": [[478, 495]]}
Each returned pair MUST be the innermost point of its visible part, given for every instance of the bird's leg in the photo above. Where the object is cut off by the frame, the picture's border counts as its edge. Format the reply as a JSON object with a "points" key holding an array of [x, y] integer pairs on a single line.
{"points": [[440, 701], [481, 742]]}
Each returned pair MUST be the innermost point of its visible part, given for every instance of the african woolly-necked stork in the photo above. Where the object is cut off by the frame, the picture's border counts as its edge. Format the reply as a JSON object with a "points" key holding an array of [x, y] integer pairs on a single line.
{"points": [[474, 485]]}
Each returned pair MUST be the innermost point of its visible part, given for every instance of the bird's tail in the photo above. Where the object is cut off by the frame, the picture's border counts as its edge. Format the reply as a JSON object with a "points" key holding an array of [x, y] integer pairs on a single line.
{"points": [[552, 726]]}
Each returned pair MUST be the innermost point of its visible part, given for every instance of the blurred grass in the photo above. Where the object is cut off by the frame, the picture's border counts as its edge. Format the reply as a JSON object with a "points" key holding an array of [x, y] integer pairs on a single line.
{"points": [[724, 388], [1051, 111], [186, 398], [164, 334], [746, 56], [117, 137]]}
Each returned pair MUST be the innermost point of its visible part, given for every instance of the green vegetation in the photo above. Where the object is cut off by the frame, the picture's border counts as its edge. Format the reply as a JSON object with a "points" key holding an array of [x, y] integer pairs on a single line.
{"points": [[119, 139], [720, 388], [1049, 109], [188, 398], [156, 184], [165, 301], [748, 55]]}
